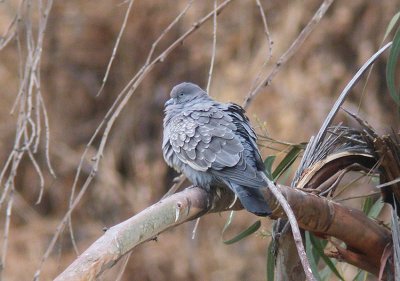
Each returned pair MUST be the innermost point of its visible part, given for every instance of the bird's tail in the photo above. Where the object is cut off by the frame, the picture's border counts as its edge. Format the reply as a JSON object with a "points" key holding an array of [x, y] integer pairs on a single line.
{"points": [[251, 199]]}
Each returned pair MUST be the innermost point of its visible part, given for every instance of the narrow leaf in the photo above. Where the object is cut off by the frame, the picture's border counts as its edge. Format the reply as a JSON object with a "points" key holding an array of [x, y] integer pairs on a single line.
{"points": [[270, 262], [396, 241], [268, 165], [250, 230], [376, 209], [367, 205], [391, 68], [228, 222], [287, 161], [391, 24], [319, 247], [361, 276], [310, 256]]}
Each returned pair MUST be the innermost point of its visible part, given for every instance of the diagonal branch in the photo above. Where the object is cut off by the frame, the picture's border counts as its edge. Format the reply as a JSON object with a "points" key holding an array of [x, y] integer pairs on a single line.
{"points": [[362, 235], [284, 58]]}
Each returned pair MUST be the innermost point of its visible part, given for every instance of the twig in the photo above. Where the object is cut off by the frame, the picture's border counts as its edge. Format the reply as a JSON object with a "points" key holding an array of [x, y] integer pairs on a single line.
{"points": [[40, 174], [114, 51], [214, 47], [124, 264], [47, 136], [358, 197], [269, 44], [266, 29], [28, 102], [290, 51], [295, 228], [6, 230], [166, 30]]}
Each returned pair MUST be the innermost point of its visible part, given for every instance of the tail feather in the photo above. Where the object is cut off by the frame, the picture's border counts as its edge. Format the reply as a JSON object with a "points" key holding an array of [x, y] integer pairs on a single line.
{"points": [[251, 199]]}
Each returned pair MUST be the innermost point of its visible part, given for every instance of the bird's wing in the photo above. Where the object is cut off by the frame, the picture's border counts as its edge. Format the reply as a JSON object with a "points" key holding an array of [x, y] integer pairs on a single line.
{"points": [[246, 171], [206, 139], [245, 130]]}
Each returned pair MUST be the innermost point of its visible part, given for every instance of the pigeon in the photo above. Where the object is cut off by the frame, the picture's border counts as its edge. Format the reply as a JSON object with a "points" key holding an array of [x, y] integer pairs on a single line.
{"points": [[214, 145]]}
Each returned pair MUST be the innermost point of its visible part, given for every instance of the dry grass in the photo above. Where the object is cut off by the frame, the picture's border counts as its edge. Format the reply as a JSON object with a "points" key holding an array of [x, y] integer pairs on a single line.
{"points": [[77, 46]]}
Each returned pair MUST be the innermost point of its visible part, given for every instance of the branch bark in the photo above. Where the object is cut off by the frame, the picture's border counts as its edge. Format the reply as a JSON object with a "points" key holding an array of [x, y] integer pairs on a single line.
{"points": [[362, 235]]}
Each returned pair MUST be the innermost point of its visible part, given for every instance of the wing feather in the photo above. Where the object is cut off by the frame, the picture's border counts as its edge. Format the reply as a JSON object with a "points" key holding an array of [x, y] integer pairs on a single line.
{"points": [[206, 139], [219, 140]]}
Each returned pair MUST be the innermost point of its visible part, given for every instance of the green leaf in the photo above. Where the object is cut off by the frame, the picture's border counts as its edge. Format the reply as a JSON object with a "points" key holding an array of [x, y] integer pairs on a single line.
{"points": [[367, 205], [396, 241], [268, 165], [391, 67], [270, 262], [361, 276], [326, 273], [319, 248], [391, 24], [228, 222], [375, 209], [287, 161], [250, 230], [311, 258]]}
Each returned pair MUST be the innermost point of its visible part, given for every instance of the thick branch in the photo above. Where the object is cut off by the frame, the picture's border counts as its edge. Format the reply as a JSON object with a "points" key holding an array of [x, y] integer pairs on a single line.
{"points": [[316, 214], [122, 238], [361, 235]]}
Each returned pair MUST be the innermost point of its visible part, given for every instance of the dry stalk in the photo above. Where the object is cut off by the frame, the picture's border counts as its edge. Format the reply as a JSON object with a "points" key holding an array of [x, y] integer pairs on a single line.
{"points": [[214, 47], [297, 43], [114, 51], [28, 103]]}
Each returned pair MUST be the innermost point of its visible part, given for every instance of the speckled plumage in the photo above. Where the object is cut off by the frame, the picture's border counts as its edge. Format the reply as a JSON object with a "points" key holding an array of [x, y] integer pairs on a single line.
{"points": [[213, 144]]}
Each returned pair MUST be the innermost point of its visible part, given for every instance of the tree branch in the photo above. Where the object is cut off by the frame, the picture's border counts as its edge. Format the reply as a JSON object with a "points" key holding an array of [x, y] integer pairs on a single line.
{"points": [[316, 214]]}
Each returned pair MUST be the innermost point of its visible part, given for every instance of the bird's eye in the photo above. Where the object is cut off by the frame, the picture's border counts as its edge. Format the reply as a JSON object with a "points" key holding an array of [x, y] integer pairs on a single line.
{"points": [[181, 94]]}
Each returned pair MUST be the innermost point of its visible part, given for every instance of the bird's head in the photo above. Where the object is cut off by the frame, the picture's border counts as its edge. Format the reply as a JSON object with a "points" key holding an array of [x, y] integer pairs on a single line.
{"points": [[185, 93]]}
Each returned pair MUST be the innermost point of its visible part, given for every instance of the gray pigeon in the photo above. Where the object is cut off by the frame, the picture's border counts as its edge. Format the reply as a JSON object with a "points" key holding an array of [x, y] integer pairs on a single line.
{"points": [[213, 144]]}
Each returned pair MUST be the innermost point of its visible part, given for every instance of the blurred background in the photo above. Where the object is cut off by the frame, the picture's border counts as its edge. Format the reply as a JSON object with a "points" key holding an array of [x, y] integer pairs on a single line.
{"points": [[77, 46]]}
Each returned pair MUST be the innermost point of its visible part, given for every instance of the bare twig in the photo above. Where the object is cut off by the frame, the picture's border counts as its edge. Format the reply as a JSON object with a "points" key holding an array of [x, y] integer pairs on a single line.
{"points": [[214, 47], [124, 264], [28, 102], [269, 44], [166, 30], [6, 230], [114, 51], [290, 51], [295, 228], [266, 29]]}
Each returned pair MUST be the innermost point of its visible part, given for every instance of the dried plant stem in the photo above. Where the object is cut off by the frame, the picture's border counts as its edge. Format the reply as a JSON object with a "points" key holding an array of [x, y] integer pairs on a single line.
{"points": [[114, 51], [295, 228], [6, 230], [166, 30], [124, 264], [269, 43], [290, 51], [28, 103], [266, 29], [214, 47]]}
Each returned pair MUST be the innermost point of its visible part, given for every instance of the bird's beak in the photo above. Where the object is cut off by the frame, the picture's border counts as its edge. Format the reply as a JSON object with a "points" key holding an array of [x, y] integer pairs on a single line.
{"points": [[169, 102]]}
